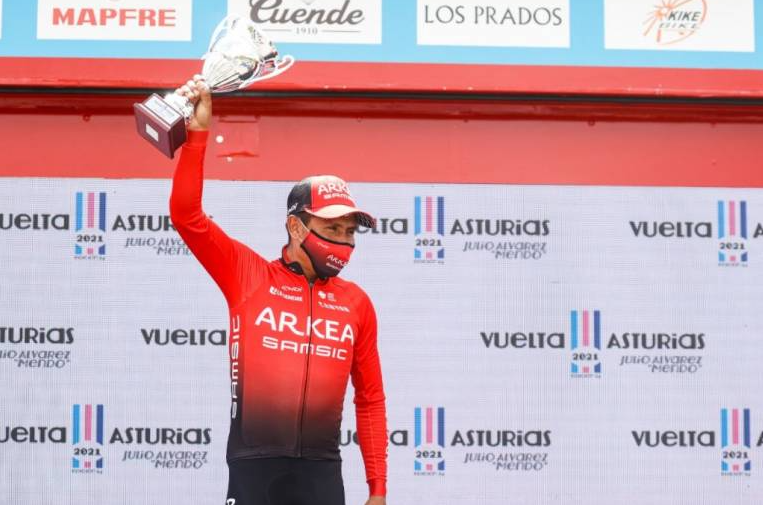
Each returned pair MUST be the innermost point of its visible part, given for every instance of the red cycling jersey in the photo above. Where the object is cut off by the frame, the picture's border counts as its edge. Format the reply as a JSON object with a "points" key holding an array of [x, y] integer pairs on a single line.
{"points": [[293, 345]]}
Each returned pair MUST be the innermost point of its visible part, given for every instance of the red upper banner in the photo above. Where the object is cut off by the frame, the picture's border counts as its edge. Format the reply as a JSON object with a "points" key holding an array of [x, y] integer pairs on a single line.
{"points": [[397, 77]]}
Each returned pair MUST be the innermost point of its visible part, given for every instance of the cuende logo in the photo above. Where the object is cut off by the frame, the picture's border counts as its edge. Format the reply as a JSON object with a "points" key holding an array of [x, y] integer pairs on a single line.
{"points": [[314, 21], [272, 11], [198, 337], [672, 21]]}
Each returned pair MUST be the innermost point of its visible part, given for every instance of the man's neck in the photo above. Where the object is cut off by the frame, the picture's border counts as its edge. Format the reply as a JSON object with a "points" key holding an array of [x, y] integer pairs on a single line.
{"points": [[294, 253]]}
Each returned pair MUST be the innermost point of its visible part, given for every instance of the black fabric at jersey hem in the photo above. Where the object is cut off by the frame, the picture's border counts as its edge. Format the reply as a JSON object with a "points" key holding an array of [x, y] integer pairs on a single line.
{"points": [[280, 452]]}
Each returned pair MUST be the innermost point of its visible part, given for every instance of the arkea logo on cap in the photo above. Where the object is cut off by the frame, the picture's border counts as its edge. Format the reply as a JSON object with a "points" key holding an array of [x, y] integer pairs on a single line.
{"points": [[330, 190], [326, 196]]}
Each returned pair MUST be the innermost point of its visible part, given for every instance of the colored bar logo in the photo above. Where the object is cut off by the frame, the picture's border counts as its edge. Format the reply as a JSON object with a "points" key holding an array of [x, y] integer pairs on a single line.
{"points": [[87, 437], [429, 228], [429, 439], [735, 441], [90, 224], [732, 232], [585, 338]]}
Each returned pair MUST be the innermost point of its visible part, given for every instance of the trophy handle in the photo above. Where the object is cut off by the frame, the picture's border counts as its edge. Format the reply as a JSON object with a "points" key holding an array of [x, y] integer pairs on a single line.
{"points": [[271, 69]]}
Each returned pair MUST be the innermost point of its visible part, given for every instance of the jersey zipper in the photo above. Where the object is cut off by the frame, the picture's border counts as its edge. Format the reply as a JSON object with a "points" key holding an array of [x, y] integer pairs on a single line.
{"points": [[307, 368]]}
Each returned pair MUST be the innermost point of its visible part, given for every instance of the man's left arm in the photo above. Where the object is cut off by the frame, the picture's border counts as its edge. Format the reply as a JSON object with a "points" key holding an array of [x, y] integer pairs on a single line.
{"points": [[370, 409]]}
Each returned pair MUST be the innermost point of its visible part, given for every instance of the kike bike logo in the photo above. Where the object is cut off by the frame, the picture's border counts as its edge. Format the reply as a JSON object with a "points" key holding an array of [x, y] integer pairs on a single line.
{"points": [[672, 21], [735, 439], [732, 234], [657, 352]]}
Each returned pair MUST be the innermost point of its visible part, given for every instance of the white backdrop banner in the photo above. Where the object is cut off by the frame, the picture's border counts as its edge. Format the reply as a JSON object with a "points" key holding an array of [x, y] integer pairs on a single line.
{"points": [[568, 345]]}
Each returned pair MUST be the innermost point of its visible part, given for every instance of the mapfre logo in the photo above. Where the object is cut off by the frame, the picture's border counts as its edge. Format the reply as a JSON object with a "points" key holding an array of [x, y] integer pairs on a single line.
{"points": [[319, 21], [114, 19]]}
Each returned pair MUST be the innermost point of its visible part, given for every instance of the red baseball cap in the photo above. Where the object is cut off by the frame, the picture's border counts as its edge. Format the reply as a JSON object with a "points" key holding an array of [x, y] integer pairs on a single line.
{"points": [[325, 196]]}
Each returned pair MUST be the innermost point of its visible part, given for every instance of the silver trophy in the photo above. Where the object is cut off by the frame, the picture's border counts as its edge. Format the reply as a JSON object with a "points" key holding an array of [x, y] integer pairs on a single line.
{"points": [[238, 55]]}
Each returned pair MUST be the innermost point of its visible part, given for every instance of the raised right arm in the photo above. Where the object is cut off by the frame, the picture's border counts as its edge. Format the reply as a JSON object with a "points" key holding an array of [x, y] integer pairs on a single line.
{"points": [[232, 265]]}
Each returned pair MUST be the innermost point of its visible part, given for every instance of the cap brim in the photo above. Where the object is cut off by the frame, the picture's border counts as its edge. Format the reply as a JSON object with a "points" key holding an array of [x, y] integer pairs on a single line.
{"points": [[333, 211]]}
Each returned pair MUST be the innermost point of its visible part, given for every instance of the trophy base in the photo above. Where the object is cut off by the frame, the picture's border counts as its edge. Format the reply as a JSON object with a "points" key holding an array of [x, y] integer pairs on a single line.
{"points": [[160, 124]]}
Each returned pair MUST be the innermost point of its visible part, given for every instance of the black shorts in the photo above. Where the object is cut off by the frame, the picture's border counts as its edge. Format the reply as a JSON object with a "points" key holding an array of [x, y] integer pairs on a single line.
{"points": [[285, 481]]}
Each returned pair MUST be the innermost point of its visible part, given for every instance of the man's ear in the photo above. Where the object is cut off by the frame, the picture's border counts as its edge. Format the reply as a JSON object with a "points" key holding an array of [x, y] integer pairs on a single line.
{"points": [[295, 228]]}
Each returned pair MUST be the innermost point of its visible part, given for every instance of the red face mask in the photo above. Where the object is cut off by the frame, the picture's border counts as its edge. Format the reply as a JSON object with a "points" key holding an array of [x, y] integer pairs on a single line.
{"points": [[327, 257]]}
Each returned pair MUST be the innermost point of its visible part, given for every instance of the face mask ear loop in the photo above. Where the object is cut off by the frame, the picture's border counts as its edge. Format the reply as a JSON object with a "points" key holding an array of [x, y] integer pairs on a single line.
{"points": [[306, 228]]}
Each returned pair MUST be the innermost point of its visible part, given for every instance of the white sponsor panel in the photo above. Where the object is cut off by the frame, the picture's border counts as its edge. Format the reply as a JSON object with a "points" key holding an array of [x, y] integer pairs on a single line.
{"points": [[680, 25], [114, 19], [500, 23], [475, 341], [314, 21]]}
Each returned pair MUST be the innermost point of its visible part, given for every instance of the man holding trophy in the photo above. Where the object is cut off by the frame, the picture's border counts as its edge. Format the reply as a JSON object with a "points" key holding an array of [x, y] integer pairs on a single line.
{"points": [[298, 332]]}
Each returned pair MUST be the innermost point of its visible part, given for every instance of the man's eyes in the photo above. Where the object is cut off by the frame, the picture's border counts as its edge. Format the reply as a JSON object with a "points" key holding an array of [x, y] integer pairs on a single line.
{"points": [[338, 230]]}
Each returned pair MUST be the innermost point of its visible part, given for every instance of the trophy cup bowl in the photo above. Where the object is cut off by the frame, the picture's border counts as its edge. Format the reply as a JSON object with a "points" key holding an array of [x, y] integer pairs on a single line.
{"points": [[238, 55]]}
